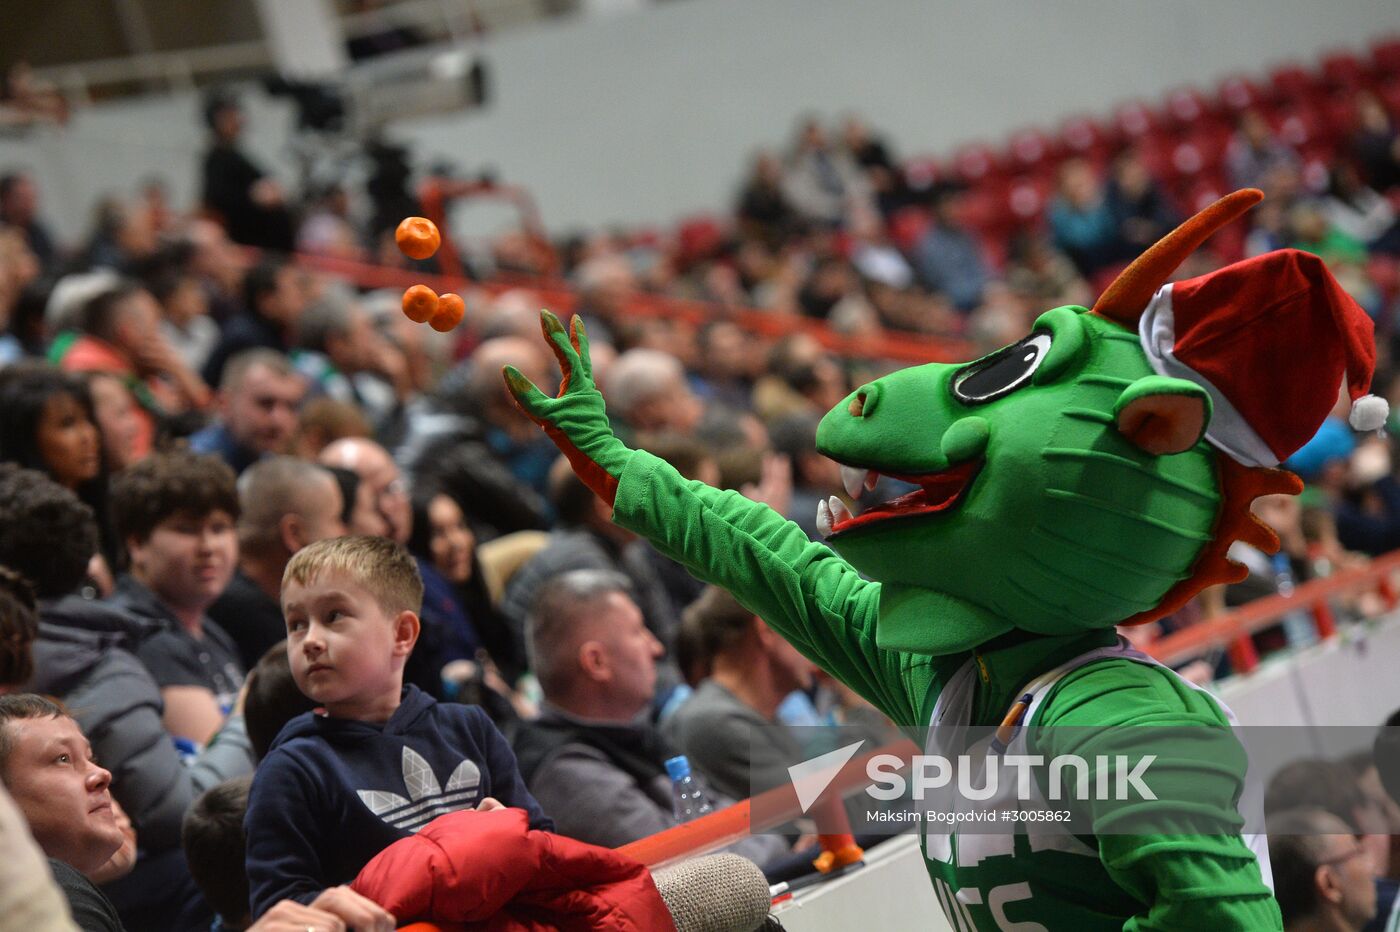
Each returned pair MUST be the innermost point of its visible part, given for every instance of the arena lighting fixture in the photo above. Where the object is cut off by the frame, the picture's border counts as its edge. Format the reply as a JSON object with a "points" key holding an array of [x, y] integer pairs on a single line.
{"points": [[415, 83]]}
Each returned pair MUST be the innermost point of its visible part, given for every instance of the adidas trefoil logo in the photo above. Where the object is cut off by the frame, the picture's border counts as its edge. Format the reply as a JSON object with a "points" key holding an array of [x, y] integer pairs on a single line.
{"points": [[427, 800]]}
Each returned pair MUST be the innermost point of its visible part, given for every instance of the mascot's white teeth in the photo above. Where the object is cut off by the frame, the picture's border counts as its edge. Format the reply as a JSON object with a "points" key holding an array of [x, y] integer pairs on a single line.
{"points": [[823, 517], [856, 479], [839, 511]]}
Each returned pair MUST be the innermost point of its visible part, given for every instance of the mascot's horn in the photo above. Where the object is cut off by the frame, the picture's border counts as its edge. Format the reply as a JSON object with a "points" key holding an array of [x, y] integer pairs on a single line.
{"points": [[1127, 297]]}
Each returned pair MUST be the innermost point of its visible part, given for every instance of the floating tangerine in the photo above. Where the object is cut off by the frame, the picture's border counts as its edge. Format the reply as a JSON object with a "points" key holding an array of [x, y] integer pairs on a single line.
{"points": [[418, 237], [450, 310], [420, 303]]}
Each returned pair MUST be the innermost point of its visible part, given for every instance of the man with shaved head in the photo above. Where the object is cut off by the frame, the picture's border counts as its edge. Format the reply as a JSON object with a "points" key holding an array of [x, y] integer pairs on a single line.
{"points": [[593, 758], [649, 390], [468, 439], [383, 509], [285, 504], [513, 439]]}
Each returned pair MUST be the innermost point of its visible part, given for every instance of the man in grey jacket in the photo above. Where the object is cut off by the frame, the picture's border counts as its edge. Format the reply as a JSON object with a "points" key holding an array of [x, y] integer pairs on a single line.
{"points": [[593, 759], [83, 656]]}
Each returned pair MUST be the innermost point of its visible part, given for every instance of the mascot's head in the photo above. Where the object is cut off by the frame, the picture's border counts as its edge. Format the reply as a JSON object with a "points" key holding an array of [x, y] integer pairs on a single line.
{"points": [[1096, 472]]}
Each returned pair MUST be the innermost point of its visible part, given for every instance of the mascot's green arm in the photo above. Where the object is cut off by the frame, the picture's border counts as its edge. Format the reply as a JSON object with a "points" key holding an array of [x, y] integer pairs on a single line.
{"points": [[804, 591], [1189, 880]]}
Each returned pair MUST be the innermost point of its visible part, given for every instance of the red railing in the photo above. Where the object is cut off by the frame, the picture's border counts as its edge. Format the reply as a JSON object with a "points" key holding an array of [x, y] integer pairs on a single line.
{"points": [[560, 297], [1233, 631]]}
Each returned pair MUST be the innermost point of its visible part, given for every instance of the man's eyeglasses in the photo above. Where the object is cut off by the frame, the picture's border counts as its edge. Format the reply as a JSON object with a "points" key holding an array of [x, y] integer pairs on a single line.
{"points": [[1342, 858]]}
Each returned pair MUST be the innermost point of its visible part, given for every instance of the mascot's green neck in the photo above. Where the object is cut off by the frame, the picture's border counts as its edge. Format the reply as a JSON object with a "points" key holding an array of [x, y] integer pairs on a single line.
{"points": [[1005, 665]]}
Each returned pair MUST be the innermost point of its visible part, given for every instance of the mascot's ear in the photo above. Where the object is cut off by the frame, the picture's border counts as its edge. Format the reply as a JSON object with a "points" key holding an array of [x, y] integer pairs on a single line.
{"points": [[1162, 415]]}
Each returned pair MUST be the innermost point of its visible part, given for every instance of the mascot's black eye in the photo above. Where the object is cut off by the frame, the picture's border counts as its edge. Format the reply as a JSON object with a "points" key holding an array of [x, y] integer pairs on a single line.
{"points": [[1002, 372]]}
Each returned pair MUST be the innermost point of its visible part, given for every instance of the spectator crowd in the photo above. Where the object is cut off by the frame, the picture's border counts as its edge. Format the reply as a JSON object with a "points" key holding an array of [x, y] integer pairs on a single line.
{"points": [[188, 415]]}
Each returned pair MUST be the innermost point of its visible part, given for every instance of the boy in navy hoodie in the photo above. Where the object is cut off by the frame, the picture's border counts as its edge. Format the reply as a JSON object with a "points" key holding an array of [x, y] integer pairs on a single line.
{"points": [[378, 760]]}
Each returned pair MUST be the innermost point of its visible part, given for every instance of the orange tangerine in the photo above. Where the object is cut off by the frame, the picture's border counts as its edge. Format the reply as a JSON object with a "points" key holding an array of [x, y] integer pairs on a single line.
{"points": [[450, 310], [420, 303], [418, 237]]}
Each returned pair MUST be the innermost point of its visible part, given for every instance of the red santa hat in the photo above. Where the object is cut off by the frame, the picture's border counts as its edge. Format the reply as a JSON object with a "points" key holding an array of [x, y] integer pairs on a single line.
{"points": [[1271, 339]]}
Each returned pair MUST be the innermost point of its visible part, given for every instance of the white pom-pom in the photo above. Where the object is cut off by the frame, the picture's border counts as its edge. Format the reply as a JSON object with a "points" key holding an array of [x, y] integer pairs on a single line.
{"points": [[1369, 412]]}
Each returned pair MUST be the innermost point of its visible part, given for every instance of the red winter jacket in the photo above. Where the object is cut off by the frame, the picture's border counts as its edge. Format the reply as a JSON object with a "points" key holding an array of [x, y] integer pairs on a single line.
{"points": [[491, 872]]}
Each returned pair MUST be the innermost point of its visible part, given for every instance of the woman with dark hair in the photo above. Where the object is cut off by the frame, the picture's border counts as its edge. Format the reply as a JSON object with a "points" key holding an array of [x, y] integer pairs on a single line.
{"points": [[47, 423], [476, 638]]}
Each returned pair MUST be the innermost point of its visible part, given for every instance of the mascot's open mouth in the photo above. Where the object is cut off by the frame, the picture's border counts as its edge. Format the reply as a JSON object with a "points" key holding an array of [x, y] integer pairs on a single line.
{"points": [[937, 492]]}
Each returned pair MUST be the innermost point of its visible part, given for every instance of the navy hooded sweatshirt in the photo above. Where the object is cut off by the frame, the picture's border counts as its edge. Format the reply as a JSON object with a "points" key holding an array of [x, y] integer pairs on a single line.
{"points": [[332, 793]]}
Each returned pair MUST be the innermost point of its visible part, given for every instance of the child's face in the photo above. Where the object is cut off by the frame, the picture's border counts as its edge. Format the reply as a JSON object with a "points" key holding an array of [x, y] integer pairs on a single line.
{"points": [[188, 560], [346, 652]]}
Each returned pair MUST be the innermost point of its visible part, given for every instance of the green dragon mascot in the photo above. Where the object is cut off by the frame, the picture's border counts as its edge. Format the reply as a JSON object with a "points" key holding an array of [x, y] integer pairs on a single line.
{"points": [[1090, 475]]}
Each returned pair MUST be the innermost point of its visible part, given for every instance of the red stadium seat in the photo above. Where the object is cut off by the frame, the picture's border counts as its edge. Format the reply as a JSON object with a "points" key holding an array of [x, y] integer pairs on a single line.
{"points": [[1100, 280], [907, 227], [1186, 108], [698, 238], [1344, 71], [1385, 57], [1228, 243], [921, 174], [1027, 197], [1292, 83], [1188, 159], [1201, 193], [1384, 272], [1338, 110], [1085, 137], [1135, 120], [1212, 141], [975, 162], [1238, 94], [984, 207], [1301, 126], [1028, 150], [1156, 153]]}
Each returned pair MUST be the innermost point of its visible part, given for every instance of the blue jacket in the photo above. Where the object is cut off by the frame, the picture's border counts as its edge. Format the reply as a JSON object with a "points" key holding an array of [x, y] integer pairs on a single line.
{"points": [[332, 793], [217, 439]]}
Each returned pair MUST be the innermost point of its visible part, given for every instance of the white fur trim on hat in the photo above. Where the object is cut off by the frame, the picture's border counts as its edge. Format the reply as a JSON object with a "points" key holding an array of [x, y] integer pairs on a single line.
{"points": [[1369, 412], [1228, 431]]}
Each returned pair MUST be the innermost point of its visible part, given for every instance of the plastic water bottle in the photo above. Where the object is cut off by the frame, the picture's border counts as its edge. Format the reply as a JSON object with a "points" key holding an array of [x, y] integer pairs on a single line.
{"points": [[687, 799], [1298, 626]]}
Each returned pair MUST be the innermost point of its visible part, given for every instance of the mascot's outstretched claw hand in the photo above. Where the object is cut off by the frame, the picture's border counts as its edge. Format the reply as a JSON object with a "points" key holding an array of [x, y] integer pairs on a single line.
{"points": [[1092, 474], [575, 419]]}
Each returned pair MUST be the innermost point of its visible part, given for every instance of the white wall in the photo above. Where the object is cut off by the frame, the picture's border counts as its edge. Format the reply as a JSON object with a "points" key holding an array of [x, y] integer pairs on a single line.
{"points": [[1346, 681], [645, 117]]}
